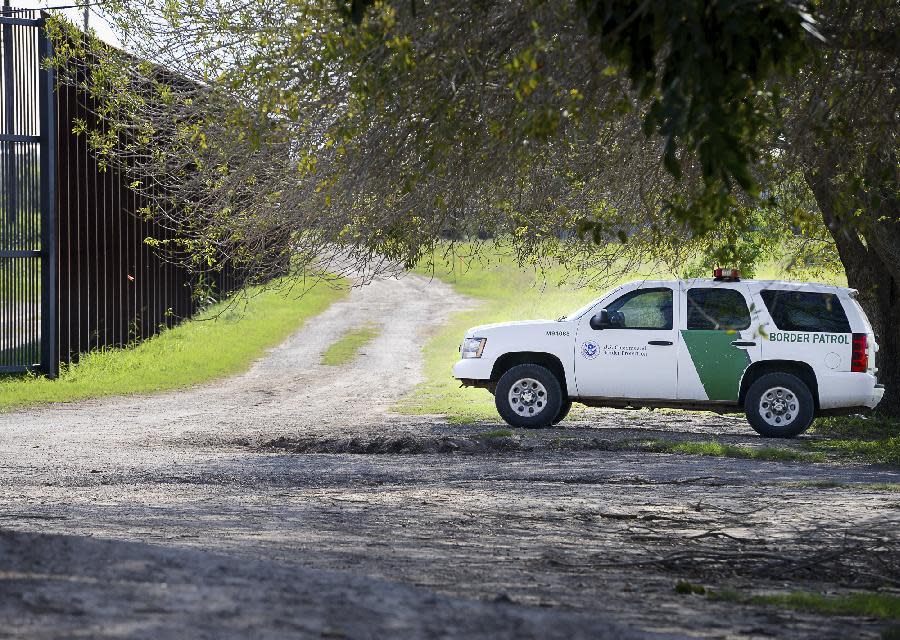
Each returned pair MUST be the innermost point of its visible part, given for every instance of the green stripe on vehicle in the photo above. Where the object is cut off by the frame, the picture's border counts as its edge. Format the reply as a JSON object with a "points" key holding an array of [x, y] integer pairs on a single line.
{"points": [[719, 364]]}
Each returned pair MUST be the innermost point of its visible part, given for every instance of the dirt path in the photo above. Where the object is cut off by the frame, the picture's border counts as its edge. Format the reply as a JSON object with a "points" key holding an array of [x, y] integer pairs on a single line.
{"points": [[142, 517]]}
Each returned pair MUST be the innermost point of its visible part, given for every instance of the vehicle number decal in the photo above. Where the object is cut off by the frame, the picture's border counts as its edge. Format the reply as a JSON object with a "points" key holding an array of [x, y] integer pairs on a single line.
{"points": [[590, 350]]}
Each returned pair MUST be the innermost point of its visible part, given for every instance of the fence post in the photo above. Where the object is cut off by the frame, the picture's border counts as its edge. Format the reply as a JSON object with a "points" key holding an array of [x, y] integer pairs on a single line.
{"points": [[49, 250], [9, 118]]}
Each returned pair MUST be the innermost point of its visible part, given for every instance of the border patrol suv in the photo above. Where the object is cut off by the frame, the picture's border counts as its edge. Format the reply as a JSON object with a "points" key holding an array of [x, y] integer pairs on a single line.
{"points": [[783, 351]]}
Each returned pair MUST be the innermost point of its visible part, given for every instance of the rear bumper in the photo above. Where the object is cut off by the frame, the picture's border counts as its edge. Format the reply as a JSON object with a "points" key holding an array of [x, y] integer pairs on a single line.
{"points": [[843, 390], [877, 395]]}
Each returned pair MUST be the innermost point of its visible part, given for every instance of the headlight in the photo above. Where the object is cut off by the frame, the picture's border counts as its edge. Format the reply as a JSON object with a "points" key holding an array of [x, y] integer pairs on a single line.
{"points": [[472, 347]]}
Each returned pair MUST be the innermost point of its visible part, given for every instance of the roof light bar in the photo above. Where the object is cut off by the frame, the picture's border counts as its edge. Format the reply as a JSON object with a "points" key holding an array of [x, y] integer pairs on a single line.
{"points": [[727, 275]]}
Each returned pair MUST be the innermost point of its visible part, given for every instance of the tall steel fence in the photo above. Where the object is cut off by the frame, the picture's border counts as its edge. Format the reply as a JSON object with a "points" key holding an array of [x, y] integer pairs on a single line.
{"points": [[76, 270]]}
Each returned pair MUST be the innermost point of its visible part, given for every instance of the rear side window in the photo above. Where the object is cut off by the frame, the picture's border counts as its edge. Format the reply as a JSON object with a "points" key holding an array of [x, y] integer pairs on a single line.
{"points": [[806, 311], [717, 309]]}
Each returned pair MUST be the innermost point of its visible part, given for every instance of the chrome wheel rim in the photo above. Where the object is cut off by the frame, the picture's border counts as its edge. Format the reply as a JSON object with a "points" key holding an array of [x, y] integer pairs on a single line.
{"points": [[779, 406], [527, 397]]}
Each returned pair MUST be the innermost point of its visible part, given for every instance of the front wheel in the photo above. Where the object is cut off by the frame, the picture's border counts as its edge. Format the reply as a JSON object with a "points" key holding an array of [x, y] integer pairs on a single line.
{"points": [[779, 405], [528, 396], [564, 409]]}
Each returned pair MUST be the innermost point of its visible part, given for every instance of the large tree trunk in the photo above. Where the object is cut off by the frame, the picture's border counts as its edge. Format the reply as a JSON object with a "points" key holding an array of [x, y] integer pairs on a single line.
{"points": [[879, 294], [870, 253], [887, 322]]}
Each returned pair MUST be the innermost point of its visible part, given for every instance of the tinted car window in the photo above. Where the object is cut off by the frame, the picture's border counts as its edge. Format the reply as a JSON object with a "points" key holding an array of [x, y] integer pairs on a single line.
{"points": [[806, 311], [717, 308], [642, 309]]}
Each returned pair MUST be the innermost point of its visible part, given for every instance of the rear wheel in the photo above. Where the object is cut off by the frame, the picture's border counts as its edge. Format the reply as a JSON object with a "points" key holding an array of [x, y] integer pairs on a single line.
{"points": [[528, 396], [779, 405]]}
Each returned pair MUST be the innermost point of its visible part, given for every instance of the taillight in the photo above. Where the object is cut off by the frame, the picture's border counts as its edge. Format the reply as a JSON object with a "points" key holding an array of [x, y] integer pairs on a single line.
{"points": [[859, 358]]}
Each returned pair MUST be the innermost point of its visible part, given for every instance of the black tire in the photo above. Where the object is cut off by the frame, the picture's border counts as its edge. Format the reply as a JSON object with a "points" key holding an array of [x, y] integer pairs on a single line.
{"points": [[793, 407], [564, 409], [539, 407]]}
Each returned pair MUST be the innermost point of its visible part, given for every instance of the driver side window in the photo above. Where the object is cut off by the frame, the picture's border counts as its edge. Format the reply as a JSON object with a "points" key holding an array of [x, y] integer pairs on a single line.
{"points": [[642, 309]]}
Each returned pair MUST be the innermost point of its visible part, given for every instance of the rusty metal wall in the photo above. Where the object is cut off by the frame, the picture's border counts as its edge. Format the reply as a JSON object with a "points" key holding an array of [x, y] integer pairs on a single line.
{"points": [[114, 289], [76, 272]]}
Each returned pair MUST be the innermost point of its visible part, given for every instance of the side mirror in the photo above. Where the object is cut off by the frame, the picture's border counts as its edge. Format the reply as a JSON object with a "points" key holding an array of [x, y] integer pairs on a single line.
{"points": [[600, 320]]}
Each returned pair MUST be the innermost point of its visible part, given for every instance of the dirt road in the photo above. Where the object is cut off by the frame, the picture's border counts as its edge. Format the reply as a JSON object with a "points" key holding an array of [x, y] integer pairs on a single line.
{"points": [[290, 502]]}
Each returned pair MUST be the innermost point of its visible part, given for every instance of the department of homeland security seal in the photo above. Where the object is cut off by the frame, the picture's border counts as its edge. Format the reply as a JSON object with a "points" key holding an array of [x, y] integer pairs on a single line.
{"points": [[590, 349]]}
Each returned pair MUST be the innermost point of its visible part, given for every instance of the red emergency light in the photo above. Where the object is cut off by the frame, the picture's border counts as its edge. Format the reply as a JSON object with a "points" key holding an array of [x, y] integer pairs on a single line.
{"points": [[727, 275]]}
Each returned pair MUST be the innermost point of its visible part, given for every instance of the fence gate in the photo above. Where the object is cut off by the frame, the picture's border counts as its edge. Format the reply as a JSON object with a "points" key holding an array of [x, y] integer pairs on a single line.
{"points": [[27, 196]]}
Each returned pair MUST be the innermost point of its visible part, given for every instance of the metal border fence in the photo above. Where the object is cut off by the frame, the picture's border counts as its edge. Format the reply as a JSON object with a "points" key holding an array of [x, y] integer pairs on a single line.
{"points": [[76, 272]]}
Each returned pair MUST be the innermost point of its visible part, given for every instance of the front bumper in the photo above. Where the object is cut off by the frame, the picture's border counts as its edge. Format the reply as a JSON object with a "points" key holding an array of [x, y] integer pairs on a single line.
{"points": [[472, 369]]}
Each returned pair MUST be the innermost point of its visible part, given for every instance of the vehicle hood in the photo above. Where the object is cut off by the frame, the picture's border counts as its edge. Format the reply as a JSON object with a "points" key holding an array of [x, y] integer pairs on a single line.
{"points": [[484, 330]]}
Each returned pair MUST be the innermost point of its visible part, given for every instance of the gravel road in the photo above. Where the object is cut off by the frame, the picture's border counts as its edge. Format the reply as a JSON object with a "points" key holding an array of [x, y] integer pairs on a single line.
{"points": [[290, 502]]}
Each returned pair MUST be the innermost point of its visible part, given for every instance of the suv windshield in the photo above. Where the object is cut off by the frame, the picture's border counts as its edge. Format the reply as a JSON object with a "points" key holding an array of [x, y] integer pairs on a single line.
{"points": [[590, 305]]}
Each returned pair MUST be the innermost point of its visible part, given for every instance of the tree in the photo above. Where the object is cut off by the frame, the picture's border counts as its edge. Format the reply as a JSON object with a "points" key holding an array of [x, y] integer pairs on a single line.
{"points": [[671, 128], [839, 123]]}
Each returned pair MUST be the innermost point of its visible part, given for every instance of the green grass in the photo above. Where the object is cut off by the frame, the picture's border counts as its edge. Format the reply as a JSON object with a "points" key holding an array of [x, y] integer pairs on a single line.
{"points": [[505, 291], [496, 433], [221, 341], [734, 451], [20, 280], [684, 588], [872, 451], [873, 439], [869, 451], [885, 606], [347, 347], [872, 427], [888, 487]]}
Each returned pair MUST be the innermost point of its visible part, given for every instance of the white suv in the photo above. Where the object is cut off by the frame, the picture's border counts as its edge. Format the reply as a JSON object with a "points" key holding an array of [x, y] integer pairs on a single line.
{"points": [[783, 351]]}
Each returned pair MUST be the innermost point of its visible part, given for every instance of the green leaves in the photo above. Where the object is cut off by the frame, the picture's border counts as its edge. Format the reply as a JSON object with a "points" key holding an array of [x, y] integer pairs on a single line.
{"points": [[700, 70], [700, 64]]}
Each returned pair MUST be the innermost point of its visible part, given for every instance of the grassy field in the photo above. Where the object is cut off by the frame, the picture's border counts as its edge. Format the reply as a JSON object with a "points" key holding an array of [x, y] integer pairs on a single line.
{"points": [[882, 451], [720, 450], [221, 341], [890, 487], [345, 349], [503, 291], [20, 278], [885, 606]]}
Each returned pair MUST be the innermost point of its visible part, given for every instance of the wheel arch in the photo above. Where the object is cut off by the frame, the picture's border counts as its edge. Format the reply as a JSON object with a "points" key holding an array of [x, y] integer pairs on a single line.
{"points": [[508, 360], [800, 369]]}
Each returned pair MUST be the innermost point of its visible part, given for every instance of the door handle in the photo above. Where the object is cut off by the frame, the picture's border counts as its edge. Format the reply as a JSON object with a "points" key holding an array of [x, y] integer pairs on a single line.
{"points": [[661, 343], [743, 343]]}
